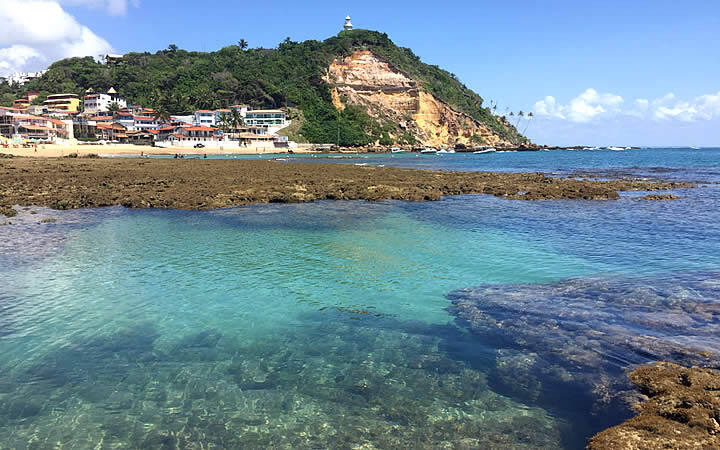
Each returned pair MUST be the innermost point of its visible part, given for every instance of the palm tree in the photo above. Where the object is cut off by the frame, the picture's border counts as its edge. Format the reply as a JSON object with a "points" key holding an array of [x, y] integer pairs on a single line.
{"points": [[113, 108], [530, 116], [236, 118], [225, 122], [519, 116], [162, 113], [242, 43]]}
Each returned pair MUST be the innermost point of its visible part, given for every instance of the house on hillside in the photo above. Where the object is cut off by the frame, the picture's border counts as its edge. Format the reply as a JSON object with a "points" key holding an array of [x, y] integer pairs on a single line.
{"points": [[95, 103], [66, 103]]}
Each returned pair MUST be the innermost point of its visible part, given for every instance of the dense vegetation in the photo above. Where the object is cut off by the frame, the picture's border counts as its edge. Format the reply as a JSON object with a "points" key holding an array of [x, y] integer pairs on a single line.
{"points": [[178, 81]]}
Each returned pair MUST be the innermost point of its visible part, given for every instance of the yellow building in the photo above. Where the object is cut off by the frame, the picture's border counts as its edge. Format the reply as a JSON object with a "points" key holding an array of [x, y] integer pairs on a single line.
{"points": [[63, 102]]}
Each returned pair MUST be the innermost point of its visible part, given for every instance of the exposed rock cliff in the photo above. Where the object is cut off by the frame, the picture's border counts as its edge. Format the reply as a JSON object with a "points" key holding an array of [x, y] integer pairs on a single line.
{"points": [[365, 80]]}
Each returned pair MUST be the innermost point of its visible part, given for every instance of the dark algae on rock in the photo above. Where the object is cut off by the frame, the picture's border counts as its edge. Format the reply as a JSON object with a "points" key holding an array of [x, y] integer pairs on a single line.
{"points": [[682, 411], [209, 184]]}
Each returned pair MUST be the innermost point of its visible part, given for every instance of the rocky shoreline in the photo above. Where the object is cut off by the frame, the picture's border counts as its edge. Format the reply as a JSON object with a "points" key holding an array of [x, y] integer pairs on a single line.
{"points": [[682, 411], [208, 184]]}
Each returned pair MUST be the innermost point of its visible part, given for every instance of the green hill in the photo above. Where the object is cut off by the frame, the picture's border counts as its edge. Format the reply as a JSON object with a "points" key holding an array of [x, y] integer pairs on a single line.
{"points": [[179, 82]]}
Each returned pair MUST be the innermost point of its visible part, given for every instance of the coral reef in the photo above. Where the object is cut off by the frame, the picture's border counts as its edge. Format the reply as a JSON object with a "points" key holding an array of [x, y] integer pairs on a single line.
{"points": [[207, 184], [583, 332], [682, 411]]}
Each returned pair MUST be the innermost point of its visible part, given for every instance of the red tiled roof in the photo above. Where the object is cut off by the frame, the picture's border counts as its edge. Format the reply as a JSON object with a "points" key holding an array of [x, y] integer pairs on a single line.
{"points": [[200, 128], [203, 111], [35, 128], [55, 121], [179, 136]]}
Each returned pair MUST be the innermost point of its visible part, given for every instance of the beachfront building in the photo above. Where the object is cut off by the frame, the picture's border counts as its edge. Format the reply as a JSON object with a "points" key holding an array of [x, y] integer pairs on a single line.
{"points": [[242, 109], [144, 123], [110, 131], [67, 103], [205, 118], [15, 123], [271, 120], [95, 103], [126, 119]]}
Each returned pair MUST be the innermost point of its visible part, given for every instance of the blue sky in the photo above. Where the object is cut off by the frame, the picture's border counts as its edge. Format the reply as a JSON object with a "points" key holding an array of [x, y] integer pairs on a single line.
{"points": [[611, 72]]}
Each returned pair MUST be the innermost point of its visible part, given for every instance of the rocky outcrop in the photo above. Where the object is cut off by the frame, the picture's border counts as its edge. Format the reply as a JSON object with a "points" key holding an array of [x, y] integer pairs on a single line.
{"points": [[365, 80], [582, 333], [682, 411]]}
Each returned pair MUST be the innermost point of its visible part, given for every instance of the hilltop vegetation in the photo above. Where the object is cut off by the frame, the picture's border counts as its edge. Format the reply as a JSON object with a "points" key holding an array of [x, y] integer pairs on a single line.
{"points": [[178, 81]]}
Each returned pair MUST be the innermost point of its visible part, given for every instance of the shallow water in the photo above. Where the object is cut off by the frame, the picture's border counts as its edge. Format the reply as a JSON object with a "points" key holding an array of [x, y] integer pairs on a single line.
{"points": [[323, 325]]}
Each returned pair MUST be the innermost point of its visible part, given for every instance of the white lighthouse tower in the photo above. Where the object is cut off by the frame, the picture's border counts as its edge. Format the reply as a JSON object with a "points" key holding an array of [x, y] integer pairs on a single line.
{"points": [[348, 25]]}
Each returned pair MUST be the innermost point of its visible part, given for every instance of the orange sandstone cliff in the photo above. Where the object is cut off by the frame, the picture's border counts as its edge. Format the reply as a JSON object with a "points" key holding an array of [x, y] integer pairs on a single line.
{"points": [[363, 79]]}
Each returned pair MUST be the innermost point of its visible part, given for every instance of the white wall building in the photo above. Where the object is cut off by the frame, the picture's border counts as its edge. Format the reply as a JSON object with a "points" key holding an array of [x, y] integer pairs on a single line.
{"points": [[24, 77], [95, 103], [205, 118], [271, 120]]}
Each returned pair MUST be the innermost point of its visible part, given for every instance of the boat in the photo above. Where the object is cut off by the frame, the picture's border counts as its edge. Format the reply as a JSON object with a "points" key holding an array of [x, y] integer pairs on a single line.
{"points": [[487, 150], [428, 151], [397, 150], [443, 151], [616, 149]]}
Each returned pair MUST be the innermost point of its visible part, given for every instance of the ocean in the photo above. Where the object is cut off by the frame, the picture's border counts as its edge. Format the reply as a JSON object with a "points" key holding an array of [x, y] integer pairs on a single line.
{"points": [[470, 322]]}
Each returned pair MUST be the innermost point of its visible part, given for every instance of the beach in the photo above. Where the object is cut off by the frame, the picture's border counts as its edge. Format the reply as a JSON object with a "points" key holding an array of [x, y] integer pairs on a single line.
{"points": [[58, 150]]}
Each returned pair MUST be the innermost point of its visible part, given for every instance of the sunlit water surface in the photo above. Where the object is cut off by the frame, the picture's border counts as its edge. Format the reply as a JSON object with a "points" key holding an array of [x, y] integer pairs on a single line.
{"points": [[319, 325]]}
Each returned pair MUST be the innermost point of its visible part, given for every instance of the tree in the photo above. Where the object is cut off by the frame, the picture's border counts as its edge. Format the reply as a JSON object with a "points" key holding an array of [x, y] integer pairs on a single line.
{"points": [[519, 117], [530, 116], [242, 43], [113, 108], [172, 48], [225, 122], [162, 113], [236, 119]]}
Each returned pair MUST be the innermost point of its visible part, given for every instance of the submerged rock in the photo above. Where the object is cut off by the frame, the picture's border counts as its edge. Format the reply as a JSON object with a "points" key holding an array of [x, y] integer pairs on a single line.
{"points": [[582, 333], [683, 411]]}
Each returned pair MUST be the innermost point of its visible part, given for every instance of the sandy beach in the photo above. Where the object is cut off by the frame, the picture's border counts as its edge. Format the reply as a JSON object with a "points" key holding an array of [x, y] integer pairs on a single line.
{"points": [[58, 150]]}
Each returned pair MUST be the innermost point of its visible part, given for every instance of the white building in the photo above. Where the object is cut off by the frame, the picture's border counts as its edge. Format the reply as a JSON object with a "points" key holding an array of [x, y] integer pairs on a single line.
{"points": [[144, 123], [95, 103], [271, 120], [348, 25], [24, 77], [205, 118]]}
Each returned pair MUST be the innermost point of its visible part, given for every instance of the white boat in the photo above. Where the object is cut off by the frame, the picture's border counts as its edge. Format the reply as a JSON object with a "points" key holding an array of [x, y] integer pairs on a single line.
{"points": [[443, 151], [616, 149], [428, 151], [397, 150], [487, 150]]}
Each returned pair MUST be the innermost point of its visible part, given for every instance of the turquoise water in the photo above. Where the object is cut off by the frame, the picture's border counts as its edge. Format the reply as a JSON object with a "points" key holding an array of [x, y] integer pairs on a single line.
{"points": [[323, 325]]}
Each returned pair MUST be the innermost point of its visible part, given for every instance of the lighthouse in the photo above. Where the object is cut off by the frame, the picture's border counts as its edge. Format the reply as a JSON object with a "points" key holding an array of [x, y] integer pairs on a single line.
{"points": [[348, 25]]}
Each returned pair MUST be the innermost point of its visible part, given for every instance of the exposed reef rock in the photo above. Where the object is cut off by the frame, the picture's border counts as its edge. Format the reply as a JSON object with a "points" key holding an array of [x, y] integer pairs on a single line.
{"points": [[365, 80], [683, 411], [583, 332], [209, 184]]}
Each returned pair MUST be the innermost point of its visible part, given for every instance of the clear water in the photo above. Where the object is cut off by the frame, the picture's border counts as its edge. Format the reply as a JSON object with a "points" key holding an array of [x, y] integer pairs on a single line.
{"points": [[316, 326]]}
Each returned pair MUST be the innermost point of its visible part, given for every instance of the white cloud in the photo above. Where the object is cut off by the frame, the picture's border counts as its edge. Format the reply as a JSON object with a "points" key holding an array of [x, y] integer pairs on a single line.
{"points": [[583, 108], [591, 105], [39, 32], [114, 7]]}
